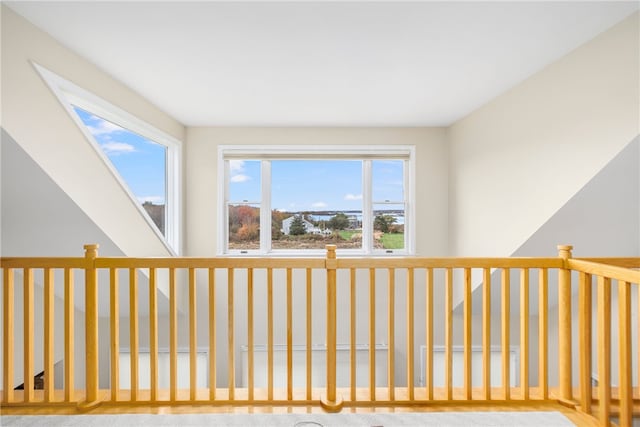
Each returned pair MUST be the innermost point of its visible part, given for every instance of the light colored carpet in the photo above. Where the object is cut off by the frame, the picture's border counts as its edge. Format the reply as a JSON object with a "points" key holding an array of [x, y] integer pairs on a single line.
{"points": [[441, 419]]}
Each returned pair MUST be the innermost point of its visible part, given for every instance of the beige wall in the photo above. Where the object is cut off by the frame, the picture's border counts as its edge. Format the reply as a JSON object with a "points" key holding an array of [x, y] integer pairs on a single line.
{"points": [[201, 175], [515, 161]]}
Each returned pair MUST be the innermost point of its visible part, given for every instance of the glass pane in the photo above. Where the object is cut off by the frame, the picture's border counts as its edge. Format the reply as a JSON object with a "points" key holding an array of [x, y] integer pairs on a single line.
{"points": [[388, 180], [139, 161], [316, 202], [388, 226], [244, 181], [244, 226]]}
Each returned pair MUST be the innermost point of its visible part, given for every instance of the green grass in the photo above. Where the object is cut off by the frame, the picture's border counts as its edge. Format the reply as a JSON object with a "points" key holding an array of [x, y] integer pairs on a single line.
{"points": [[393, 241], [346, 234]]}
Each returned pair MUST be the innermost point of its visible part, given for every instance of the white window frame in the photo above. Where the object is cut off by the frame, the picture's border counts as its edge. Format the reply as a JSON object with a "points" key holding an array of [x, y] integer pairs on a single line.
{"points": [[328, 152], [70, 95]]}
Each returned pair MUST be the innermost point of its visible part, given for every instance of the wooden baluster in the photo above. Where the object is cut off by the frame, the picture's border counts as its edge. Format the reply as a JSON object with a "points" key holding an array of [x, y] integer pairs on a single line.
{"points": [[270, 333], [543, 333], [133, 332], [8, 335], [391, 335], [486, 333], [624, 366], [69, 334], [448, 335], [331, 402], [231, 336], [309, 333], [564, 328], [250, 360], [429, 334], [604, 349], [114, 328], [153, 334], [173, 337], [524, 333], [91, 324], [584, 302], [28, 335], [48, 334], [467, 333], [410, 333], [289, 336], [193, 337], [372, 334], [506, 331], [212, 334], [352, 334]]}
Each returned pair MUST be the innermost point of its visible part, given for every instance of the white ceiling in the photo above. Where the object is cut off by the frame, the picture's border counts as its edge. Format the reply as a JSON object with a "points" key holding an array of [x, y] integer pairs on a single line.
{"points": [[322, 63]]}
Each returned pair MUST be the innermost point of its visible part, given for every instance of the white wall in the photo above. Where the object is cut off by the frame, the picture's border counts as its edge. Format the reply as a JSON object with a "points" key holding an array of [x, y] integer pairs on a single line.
{"points": [[515, 161]]}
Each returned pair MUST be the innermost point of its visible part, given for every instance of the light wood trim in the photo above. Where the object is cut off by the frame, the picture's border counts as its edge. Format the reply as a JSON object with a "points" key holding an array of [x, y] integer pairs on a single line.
{"points": [[352, 334], [8, 328], [624, 366], [69, 334], [114, 332], [231, 335], [610, 271], [391, 300], [486, 333], [212, 334], [506, 331], [420, 262], [410, 333], [205, 263], [28, 335], [193, 336], [429, 333], [524, 332], [372, 334], [134, 333], [250, 334], [42, 262], [543, 332], [584, 337], [448, 335], [289, 335], [91, 324], [48, 334], [564, 327], [467, 333], [173, 336], [153, 334], [625, 262], [604, 347], [309, 333], [331, 394], [270, 334]]}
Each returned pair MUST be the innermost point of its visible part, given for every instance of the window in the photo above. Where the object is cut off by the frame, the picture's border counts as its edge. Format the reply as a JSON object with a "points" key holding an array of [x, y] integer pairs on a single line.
{"points": [[279, 200], [144, 160]]}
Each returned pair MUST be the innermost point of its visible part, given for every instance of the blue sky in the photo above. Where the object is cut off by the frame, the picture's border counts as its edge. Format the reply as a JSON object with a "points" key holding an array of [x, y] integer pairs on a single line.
{"points": [[316, 185], [141, 162]]}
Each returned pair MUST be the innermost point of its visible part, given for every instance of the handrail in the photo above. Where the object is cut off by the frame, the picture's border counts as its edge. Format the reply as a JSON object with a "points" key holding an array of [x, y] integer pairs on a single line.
{"points": [[243, 300]]}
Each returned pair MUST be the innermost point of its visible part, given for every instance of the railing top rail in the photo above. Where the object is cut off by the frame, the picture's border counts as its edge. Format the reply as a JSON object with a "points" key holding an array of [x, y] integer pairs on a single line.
{"points": [[605, 270], [43, 262], [219, 262], [450, 262], [626, 262]]}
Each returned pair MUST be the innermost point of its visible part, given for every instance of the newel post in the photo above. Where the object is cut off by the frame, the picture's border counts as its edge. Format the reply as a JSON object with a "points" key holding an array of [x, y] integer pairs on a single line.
{"points": [[330, 402], [91, 325], [564, 327]]}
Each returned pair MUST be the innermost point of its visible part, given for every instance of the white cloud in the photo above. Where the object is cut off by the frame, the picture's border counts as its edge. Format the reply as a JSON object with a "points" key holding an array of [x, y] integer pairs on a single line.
{"points": [[236, 166], [353, 196], [240, 178], [102, 127], [319, 205], [156, 200], [115, 148]]}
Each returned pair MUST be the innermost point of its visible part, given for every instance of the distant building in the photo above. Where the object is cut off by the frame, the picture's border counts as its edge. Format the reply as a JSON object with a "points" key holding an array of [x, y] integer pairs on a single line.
{"points": [[310, 228]]}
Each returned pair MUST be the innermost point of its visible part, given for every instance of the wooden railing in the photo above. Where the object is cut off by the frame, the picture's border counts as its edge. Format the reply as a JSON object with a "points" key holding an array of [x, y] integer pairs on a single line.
{"points": [[414, 306]]}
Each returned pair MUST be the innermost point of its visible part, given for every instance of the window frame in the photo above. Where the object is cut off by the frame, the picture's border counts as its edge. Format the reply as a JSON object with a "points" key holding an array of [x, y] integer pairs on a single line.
{"points": [[265, 153], [70, 95]]}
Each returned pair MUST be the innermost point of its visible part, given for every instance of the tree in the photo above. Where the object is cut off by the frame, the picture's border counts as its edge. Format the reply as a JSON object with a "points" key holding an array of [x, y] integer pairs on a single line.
{"points": [[297, 226], [382, 222], [339, 222]]}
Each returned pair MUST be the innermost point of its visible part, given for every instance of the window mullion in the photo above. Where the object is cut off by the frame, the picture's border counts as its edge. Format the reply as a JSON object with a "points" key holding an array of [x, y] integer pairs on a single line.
{"points": [[265, 206], [367, 208]]}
